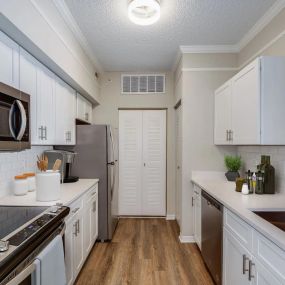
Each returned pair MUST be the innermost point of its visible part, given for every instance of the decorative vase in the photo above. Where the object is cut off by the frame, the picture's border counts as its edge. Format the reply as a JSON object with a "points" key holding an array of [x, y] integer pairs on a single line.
{"points": [[232, 175]]}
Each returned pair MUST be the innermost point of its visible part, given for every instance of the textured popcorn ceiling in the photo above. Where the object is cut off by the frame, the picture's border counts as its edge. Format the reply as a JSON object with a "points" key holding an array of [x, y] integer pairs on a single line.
{"points": [[121, 45]]}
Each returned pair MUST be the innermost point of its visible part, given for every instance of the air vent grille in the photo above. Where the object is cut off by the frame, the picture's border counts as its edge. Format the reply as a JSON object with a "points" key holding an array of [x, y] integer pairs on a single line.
{"points": [[143, 84]]}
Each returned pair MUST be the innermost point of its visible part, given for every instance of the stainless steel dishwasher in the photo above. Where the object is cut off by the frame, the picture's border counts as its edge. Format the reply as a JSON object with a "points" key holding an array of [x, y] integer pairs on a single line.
{"points": [[212, 235]]}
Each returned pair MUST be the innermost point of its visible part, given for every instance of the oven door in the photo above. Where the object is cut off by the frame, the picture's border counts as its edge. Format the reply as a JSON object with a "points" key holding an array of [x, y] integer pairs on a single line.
{"points": [[14, 119], [30, 274]]}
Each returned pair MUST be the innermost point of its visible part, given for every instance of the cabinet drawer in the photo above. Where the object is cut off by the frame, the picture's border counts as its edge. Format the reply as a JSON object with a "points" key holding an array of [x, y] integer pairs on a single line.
{"points": [[269, 254], [75, 207], [90, 194], [239, 228]]}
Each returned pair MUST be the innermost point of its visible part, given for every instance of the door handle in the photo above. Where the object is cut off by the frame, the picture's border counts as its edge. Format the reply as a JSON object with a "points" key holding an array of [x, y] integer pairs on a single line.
{"points": [[227, 135], [244, 260], [250, 276]]}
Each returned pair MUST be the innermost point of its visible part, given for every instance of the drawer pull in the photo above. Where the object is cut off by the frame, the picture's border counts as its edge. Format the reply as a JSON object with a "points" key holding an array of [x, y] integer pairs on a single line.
{"points": [[250, 276], [93, 193], [244, 260]]}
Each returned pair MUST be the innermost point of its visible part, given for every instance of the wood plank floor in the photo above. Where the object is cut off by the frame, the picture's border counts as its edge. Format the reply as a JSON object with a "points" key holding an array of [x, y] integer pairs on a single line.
{"points": [[145, 252]]}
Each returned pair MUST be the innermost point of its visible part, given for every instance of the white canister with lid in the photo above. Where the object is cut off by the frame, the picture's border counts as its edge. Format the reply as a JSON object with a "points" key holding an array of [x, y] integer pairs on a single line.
{"points": [[31, 176], [20, 185]]}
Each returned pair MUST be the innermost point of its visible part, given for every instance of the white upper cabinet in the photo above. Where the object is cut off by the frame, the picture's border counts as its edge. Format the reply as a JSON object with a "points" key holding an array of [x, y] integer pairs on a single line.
{"points": [[84, 109], [9, 67], [65, 113], [46, 105], [223, 106], [246, 105], [28, 84], [249, 107]]}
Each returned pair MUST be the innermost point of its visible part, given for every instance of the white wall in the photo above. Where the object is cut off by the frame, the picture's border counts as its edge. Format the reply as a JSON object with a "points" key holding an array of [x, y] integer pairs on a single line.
{"points": [[38, 27], [15, 163], [198, 149], [107, 113]]}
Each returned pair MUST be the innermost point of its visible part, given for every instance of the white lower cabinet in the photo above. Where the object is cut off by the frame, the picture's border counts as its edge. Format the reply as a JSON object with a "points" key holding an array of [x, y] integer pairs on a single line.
{"points": [[197, 215], [246, 260], [81, 232], [236, 261]]}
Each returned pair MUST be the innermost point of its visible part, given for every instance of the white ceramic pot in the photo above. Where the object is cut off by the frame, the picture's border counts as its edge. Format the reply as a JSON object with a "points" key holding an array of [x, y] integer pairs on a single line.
{"points": [[48, 186]]}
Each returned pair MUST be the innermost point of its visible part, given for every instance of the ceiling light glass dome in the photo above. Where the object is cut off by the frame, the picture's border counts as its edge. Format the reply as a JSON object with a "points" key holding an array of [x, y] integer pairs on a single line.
{"points": [[144, 12]]}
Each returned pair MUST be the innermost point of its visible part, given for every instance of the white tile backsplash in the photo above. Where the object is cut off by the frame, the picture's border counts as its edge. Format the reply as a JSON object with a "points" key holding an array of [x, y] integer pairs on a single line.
{"points": [[14, 163], [251, 158]]}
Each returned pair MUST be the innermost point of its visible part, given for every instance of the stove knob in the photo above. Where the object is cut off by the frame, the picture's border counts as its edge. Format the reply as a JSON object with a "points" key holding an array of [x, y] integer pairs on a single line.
{"points": [[59, 205], [4, 245], [53, 209]]}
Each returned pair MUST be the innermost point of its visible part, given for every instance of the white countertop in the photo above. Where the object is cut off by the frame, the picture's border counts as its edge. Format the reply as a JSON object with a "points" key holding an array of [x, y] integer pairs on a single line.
{"points": [[224, 192], [69, 192]]}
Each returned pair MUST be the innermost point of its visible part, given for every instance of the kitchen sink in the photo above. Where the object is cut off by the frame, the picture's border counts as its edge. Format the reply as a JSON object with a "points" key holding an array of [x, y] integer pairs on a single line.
{"points": [[277, 218]]}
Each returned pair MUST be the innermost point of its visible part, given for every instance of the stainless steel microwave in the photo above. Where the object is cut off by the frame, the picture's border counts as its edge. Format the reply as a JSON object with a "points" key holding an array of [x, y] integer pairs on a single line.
{"points": [[14, 119]]}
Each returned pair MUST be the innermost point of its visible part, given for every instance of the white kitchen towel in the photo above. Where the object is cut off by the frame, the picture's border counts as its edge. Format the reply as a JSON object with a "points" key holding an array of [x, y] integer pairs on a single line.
{"points": [[51, 266]]}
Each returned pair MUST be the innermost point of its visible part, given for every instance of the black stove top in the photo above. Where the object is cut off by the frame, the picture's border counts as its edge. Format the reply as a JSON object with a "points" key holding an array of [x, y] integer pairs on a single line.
{"points": [[12, 217], [24, 230]]}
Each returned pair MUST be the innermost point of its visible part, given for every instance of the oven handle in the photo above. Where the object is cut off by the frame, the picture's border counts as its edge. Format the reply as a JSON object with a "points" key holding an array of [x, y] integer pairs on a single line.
{"points": [[23, 274]]}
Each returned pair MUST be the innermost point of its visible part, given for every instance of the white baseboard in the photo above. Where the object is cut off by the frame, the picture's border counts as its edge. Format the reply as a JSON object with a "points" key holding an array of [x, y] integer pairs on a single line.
{"points": [[186, 239], [170, 217]]}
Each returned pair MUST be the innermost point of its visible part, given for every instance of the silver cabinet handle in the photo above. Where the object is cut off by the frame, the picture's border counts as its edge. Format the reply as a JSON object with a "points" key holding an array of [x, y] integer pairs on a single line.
{"points": [[75, 228], [45, 133], [227, 135], [231, 135], [244, 260], [41, 132], [250, 276], [78, 226], [94, 206], [93, 193], [75, 210]]}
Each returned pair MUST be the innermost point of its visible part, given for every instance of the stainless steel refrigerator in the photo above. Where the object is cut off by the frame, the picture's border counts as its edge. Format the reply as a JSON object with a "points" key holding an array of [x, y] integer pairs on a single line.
{"points": [[97, 157]]}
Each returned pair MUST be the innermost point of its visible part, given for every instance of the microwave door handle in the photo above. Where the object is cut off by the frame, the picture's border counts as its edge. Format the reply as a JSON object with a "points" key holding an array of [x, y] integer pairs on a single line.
{"points": [[11, 113], [23, 120]]}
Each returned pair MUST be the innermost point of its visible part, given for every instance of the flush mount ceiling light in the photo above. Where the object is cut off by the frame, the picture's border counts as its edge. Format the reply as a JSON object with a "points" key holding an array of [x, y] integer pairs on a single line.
{"points": [[144, 12]]}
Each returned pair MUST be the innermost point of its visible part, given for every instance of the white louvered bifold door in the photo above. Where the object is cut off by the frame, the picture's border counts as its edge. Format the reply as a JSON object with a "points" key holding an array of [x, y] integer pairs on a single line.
{"points": [[130, 162], [154, 160], [142, 151]]}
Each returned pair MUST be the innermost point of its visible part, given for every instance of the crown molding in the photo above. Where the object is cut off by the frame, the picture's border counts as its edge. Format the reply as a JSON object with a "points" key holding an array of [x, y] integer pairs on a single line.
{"points": [[209, 49], [73, 26], [273, 11]]}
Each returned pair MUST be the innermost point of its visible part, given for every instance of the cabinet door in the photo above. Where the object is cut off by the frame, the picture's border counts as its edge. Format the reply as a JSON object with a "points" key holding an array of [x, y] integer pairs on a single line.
{"points": [[78, 246], [65, 113], [81, 107], [46, 105], [223, 113], [197, 215], [246, 105], [9, 58], [69, 251], [88, 111], [262, 276], [235, 261], [94, 219], [28, 84], [87, 242]]}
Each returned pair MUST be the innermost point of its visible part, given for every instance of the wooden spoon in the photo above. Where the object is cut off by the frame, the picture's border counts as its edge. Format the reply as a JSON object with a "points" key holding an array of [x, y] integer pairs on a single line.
{"points": [[56, 165]]}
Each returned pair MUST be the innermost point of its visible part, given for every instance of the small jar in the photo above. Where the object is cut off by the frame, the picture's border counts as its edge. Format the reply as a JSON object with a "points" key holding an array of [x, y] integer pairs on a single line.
{"points": [[20, 185], [31, 176]]}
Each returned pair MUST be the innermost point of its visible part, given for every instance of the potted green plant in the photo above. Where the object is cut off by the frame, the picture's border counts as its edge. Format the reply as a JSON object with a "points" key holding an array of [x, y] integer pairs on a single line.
{"points": [[233, 165]]}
